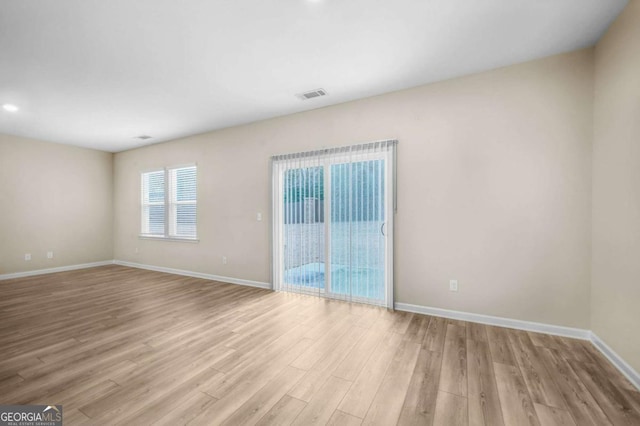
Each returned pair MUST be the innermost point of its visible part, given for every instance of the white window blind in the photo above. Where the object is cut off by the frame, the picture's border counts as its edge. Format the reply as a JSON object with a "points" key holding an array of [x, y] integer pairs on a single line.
{"points": [[153, 195], [182, 202], [169, 203]]}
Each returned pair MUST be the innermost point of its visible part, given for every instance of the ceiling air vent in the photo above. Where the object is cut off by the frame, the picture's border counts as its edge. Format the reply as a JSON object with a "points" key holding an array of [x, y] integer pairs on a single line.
{"points": [[143, 137], [312, 94]]}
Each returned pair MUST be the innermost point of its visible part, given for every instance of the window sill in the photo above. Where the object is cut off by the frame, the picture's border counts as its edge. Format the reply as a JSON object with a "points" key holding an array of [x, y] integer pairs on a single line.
{"points": [[173, 239]]}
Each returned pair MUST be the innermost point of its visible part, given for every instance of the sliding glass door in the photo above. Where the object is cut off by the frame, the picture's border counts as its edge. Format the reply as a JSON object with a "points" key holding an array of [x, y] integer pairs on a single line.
{"points": [[333, 223], [357, 239], [303, 229]]}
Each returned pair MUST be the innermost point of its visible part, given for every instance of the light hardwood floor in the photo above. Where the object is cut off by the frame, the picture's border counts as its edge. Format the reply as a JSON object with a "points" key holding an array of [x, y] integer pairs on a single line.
{"points": [[116, 345]]}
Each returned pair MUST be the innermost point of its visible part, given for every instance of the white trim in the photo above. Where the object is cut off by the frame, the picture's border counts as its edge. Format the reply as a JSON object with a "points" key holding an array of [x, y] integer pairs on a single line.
{"points": [[389, 158], [171, 239], [325, 159], [54, 270], [616, 360], [577, 333], [558, 330], [169, 217], [195, 274], [277, 217]]}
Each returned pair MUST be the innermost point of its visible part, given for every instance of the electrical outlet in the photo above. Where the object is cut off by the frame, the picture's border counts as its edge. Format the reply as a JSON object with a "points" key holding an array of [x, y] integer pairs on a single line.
{"points": [[259, 216], [453, 285], [49, 255], [27, 257], [224, 260], [136, 251]]}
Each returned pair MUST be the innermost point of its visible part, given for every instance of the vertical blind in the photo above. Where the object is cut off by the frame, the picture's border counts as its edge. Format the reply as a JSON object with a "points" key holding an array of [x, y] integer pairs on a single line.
{"points": [[333, 222]]}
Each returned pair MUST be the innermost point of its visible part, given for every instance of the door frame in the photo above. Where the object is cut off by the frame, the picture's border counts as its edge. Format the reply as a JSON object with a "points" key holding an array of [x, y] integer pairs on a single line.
{"points": [[278, 170]]}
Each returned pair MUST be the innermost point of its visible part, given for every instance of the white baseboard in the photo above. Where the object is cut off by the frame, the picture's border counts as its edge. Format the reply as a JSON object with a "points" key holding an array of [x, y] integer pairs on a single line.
{"points": [[557, 330], [53, 270], [576, 333], [616, 360], [195, 274]]}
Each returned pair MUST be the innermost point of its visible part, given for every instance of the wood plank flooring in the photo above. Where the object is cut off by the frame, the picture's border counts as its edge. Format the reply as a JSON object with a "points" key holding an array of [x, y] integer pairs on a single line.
{"points": [[117, 345]]}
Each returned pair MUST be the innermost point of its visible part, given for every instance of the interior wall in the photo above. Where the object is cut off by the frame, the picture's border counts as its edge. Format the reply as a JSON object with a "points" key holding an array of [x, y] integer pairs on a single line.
{"points": [[616, 187], [494, 189], [53, 198]]}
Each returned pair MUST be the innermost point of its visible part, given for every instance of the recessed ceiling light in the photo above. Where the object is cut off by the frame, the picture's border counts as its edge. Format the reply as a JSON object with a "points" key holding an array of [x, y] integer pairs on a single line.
{"points": [[10, 108]]}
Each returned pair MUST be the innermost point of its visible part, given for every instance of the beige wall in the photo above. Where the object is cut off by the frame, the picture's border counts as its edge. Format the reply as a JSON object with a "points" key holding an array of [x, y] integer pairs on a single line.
{"points": [[616, 188], [494, 189], [53, 198]]}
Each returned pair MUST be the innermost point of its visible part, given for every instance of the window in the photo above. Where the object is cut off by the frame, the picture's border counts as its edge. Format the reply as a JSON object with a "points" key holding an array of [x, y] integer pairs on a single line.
{"points": [[169, 203]]}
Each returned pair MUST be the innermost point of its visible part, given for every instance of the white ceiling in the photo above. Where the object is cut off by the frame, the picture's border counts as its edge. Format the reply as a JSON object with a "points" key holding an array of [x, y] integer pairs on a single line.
{"points": [[96, 73]]}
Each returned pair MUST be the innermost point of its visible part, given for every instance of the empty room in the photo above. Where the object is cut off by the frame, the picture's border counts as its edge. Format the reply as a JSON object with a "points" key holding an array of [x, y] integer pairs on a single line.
{"points": [[320, 212]]}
